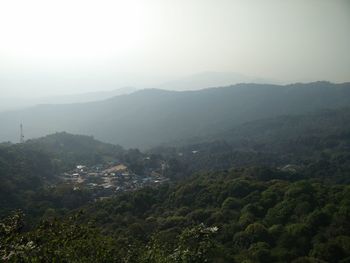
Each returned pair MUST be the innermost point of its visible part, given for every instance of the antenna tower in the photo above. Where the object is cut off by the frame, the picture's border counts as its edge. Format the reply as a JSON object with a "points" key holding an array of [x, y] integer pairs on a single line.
{"points": [[21, 139]]}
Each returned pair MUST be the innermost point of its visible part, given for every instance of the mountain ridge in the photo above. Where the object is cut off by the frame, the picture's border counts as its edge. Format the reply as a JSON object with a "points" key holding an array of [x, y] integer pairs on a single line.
{"points": [[148, 118]]}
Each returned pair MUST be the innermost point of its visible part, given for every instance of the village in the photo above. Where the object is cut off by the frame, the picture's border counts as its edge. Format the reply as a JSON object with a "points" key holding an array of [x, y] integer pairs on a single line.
{"points": [[111, 177]]}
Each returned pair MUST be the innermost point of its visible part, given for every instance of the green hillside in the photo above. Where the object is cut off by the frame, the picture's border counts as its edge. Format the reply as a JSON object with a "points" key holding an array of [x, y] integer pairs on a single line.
{"points": [[233, 216], [269, 190]]}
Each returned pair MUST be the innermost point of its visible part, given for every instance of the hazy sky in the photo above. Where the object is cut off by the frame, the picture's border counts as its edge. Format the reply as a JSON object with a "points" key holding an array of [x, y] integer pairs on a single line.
{"points": [[68, 46]]}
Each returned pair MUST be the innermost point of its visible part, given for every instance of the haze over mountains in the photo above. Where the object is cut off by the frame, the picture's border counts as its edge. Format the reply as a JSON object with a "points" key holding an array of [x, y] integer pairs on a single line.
{"points": [[175, 131], [13, 103], [149, 118], [211, 79], [191, 82]]}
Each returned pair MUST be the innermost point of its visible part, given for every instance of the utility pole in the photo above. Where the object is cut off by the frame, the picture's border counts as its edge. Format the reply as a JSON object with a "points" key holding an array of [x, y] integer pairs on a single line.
{"points": [[21, 139]]}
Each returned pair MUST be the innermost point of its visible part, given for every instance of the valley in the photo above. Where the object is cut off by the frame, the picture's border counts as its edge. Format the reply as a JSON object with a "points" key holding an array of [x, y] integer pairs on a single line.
{"points": [[175, 131], [269, 190]]}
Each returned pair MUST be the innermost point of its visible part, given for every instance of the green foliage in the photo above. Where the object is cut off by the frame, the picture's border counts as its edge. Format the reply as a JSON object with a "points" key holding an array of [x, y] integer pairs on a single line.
{"points": [[269, 213], [68, 150], [266, 221], [55, 241], [29, 173]]}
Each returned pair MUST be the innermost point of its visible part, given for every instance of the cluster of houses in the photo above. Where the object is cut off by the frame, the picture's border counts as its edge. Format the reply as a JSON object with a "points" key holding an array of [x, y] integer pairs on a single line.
{"points": [[111, 178]]}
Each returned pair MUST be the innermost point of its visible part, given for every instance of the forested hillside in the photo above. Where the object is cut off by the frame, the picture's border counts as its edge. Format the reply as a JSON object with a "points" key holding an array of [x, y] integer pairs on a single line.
{"points": [[319, 141], [151, 117], [30, 173], [235, 216], [274, 189], [175, 131], [23, 171], [261, 210], [70, 150]]}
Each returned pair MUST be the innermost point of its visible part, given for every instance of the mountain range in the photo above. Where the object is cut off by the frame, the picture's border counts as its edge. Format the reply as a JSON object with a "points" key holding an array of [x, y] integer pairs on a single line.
{"points": [[153, 117], [13, 103], [210, 79], [191, 82]]}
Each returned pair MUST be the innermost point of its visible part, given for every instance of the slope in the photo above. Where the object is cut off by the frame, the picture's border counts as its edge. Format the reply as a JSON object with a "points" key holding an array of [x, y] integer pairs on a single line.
{"points": [[151, 117]]}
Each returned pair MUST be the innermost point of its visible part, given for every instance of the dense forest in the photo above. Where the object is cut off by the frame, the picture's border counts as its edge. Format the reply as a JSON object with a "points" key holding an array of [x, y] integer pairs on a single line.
{"points": [[269, 190], [29, 172], [175, 131], [316, 144], [241, 215]]}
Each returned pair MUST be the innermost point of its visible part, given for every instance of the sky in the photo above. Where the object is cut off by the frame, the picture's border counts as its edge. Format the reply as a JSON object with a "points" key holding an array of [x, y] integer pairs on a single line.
{"points": [[69, 46]]}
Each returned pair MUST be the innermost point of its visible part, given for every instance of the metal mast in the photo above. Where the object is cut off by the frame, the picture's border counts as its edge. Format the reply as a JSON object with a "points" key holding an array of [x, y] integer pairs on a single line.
{"points": [[21, 134]]}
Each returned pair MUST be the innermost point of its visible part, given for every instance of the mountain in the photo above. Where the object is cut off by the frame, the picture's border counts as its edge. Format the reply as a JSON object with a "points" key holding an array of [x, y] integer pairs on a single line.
{"points": [[69, 150], [225, 213], [210, 79], [193, 82], [18, 103], [318, 141], [87, 97], [151, 117], [30, 172]]}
